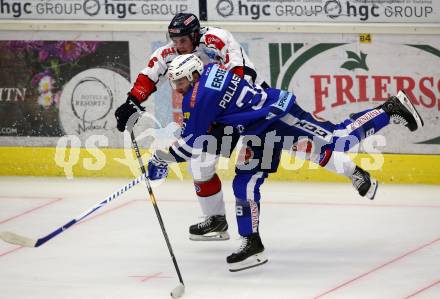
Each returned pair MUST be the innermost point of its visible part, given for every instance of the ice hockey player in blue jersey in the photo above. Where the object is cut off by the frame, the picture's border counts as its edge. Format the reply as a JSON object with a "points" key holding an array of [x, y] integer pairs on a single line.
{"points": [[269, 120]]}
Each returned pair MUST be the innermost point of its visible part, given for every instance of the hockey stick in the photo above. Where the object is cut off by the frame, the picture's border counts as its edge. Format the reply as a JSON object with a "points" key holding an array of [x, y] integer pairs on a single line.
{"points": [[180, 289], [16, 239]]}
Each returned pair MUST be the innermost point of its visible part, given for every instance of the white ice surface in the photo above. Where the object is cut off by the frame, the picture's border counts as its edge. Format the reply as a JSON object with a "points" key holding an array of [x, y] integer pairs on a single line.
{"points": [[322, 240]]}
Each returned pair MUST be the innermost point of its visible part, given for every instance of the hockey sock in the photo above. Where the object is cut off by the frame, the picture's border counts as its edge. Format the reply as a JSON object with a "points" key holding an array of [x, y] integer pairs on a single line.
{"points": [[248, 214], [341, 163], [210, 196]]}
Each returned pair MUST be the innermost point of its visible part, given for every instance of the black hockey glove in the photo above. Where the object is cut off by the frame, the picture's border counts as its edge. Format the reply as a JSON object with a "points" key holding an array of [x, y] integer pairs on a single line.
{"points": [[131, 108]]}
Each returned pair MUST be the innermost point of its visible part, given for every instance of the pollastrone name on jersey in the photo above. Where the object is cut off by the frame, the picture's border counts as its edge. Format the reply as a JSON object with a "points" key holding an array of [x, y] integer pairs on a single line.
{"points": [[230, 91]]}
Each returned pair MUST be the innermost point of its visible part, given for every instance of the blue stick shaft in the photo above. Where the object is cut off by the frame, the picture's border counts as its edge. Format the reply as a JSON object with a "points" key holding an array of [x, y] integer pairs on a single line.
{"points": [[90, 211]]}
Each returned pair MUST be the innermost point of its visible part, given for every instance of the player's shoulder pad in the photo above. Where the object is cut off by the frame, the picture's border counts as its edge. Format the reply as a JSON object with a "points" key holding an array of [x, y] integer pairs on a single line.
{"points": [[207, 68], [215, 38], [213, 78], [165, 51]]}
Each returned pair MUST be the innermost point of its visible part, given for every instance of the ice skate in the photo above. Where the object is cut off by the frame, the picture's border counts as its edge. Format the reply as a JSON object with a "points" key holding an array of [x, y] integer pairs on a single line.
{"points": [[214, 228], [401, 110], [364, 183], [249, 255]]}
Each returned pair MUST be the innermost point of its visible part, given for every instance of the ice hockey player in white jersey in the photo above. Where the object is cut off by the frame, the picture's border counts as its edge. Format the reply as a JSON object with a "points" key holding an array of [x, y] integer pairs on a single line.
{"points": [[211, 45]]}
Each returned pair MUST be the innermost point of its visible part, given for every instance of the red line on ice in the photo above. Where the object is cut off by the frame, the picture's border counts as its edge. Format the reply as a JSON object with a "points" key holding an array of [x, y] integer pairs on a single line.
{"points": [[28, 197], [316, 203], [79, 223], [30, 211], [340, 286], [369, 205], [422, 290], [10, 251], [148, 277], [109, 210]]}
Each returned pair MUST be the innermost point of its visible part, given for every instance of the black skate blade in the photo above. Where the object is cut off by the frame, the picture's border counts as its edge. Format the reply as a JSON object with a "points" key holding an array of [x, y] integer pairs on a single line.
{"points": [[251, 262], [373, 189], [218, 236]]}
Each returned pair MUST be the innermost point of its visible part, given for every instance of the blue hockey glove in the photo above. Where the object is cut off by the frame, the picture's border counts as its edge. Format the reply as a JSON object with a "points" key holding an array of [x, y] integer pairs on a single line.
{"points": [[157, 169]]}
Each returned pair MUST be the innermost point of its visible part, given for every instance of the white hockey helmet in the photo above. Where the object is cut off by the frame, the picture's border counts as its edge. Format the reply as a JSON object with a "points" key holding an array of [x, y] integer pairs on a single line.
{"points": [[184, 66]]}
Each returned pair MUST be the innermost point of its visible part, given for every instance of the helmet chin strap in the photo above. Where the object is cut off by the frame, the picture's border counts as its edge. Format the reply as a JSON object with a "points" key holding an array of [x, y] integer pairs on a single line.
{"points": [[196, 77], [195, 39], [194, 81]]}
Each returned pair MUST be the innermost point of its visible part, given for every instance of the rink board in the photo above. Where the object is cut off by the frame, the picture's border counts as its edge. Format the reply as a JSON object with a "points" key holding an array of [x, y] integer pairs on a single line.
{"points": [[45, 161]]}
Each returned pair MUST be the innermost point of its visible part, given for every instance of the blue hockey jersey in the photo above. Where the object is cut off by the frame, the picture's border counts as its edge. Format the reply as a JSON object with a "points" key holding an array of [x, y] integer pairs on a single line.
{"points": [[221, 96]]}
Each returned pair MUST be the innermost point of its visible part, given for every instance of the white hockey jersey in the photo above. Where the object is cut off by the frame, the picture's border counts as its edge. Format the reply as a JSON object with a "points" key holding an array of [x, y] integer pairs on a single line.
{"points": [[216, 46]]}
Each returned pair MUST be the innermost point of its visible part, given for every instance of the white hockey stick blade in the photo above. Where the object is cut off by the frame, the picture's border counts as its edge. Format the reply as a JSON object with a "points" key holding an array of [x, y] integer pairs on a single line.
{"points": [[178, 291], [17, 239]]}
